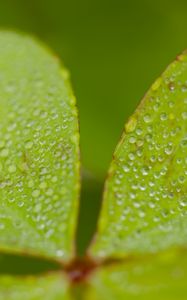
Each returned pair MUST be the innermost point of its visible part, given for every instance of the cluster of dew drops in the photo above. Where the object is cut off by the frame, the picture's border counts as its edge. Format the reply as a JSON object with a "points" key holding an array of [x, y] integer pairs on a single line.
{"points": [[38, 146], [147, 186]]}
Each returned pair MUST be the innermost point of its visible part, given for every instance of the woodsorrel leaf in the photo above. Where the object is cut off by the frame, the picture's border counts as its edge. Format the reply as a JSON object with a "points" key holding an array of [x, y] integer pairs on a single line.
{"points": [[39, 152], [49, 287], [145, 198], [161, 276]]}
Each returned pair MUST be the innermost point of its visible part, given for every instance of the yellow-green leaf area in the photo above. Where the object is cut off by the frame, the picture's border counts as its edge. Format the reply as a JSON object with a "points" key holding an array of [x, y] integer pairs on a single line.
{"points": [[145, 198], [49, 287], [159, 277], [39, 150]]}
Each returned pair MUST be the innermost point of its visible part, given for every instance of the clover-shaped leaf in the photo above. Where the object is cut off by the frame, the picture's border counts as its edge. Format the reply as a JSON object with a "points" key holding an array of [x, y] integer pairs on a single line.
{"points": [[145, 197], [143, 221], [139, 250], [39, 164]]}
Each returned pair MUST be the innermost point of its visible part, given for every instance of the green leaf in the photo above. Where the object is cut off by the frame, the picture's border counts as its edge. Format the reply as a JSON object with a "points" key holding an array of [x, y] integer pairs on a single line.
{"points": [[159, 277], [145, 198], [39, 153], [49, 287]]}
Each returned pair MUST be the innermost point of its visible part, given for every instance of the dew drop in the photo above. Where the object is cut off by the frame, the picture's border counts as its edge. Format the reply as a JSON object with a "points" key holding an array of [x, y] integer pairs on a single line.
{"points": [[36, 193], [147, 118], [4, 152], [131, 125], [28, 145], [12, 169]]}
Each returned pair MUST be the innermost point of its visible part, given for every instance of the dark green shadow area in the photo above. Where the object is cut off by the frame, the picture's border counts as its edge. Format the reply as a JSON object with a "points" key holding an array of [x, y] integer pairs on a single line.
{"points": [[14, 264], [90, 204]]}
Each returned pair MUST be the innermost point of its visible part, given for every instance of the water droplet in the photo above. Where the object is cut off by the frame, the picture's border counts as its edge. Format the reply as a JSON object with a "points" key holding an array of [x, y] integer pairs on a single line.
{"points": [[2, 226], [184, 115], [4, 152], [28, 145], [147, 118], [163, 116], [59, 253], [168, 150], [157, 84], [12, 169], [36, 193], [131, 125]]}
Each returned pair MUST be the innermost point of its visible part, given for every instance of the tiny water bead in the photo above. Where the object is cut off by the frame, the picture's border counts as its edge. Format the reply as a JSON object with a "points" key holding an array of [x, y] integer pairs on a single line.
{"points": [[38, 150], [28, 144], [147, 118], [4, 152], [131, 125], [163, 116], [149, 172], [184, 115], [12, 168]]}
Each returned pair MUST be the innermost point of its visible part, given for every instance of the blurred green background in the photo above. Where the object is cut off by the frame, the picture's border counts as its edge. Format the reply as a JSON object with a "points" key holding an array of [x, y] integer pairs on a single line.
{"points": [[114, 50]]}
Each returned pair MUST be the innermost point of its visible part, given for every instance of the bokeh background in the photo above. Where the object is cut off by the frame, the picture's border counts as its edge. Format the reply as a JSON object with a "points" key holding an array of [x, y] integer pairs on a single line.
{"points": [[114, 50]]}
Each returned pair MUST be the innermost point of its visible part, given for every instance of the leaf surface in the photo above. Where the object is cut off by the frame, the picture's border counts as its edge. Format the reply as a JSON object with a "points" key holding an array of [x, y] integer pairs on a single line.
{"points": [[49, 287], [160, 277], [39, 152], [145, 198]]}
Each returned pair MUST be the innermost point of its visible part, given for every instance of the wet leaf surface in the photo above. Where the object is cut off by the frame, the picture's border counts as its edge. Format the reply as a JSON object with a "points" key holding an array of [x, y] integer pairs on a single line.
{"points": [[49, 287], [39, 155], [145, 199], [158, 277]]}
